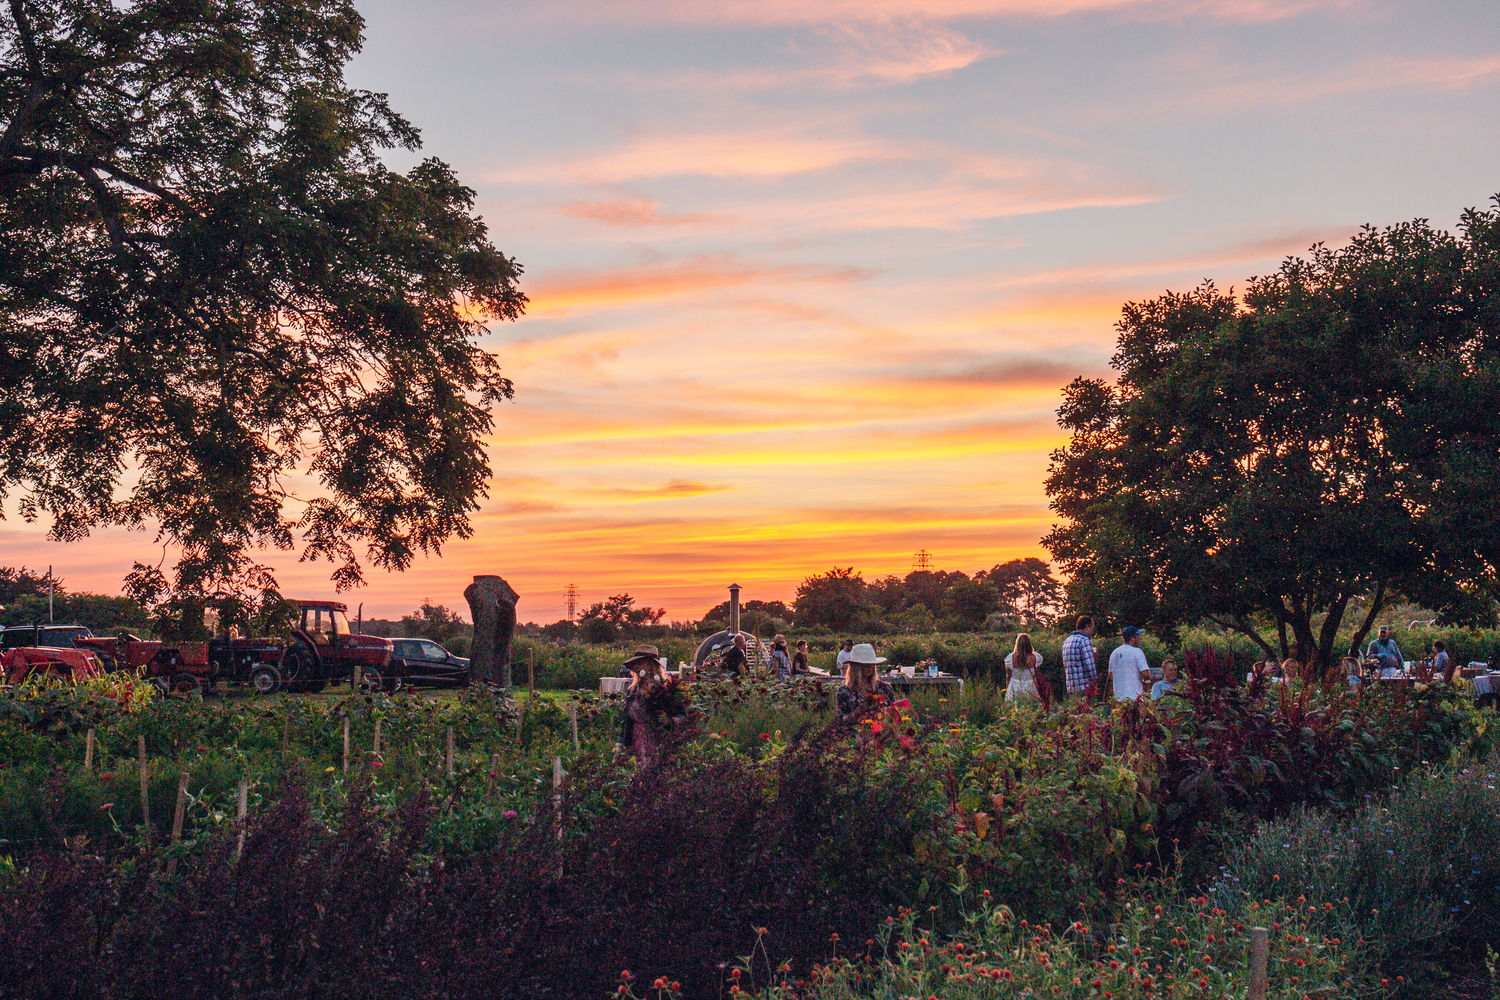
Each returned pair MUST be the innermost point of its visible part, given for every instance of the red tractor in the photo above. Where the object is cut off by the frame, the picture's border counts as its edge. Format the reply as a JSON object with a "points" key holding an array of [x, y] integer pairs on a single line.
{"points": [[325, 624], [21, 662]]}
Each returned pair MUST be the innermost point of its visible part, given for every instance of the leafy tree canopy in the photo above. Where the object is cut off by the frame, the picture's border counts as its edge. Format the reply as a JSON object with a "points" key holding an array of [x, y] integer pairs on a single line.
{"points": [[834, 599], [222, 316], [621, 612], [1332, 434], [1027, 589]]}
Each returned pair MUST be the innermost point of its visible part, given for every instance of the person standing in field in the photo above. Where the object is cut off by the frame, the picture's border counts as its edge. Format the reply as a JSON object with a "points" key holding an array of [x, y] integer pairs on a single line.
{"points": [[780, 661], [1078, 657], [1128, 669], [1385, 650], [1441, 661], [1022, 662], [843, 657], [735, 660]]}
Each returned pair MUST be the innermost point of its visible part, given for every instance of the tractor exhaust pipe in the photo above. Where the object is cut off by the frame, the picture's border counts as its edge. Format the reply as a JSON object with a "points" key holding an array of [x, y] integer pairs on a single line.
{"points": [[734, 608]]}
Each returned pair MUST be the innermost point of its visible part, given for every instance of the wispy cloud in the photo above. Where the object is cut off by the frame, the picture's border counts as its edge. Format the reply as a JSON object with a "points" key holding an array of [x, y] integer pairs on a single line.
{"points": [[1215, 84], [676, 489], [796, 12], [568, 292], [633, 213]]}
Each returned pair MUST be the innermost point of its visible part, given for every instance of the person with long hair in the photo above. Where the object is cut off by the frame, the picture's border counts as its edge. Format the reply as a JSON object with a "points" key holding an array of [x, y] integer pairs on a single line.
{"points": [[654, 706], [862, 684], [781, 663], [1022, 664]]}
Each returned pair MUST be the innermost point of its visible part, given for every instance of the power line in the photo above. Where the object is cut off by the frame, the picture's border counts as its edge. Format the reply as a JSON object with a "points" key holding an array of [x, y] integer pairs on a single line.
{"points": [[571, 596], [921, 562]]}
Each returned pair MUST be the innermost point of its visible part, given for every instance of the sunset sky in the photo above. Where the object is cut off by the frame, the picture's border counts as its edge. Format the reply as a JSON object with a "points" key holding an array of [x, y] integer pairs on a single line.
{"points": [[806, 278]]}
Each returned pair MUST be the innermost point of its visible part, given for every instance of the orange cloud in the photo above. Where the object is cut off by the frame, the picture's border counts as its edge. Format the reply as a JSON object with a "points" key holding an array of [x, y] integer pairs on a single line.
{"points": [[563, 293], [632, 212], [674, 490]]}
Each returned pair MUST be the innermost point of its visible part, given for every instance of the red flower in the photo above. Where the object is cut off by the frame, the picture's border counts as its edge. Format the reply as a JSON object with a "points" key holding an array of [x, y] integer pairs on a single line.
{"points": [[765, 736], [903, 703], [876, 727], [908, 742]]}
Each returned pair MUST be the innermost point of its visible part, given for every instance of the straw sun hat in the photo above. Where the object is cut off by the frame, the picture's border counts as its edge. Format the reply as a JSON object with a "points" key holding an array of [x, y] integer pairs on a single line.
{"points": [[865, 653]]}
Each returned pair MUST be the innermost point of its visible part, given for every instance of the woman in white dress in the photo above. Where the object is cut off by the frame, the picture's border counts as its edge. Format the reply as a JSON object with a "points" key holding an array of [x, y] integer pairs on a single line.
{"points": [[1022, 663]]}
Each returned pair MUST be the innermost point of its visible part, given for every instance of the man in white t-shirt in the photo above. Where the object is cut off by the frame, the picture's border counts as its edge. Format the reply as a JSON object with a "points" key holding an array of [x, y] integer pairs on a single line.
{"points": [[1127, 666], [843, 657]]}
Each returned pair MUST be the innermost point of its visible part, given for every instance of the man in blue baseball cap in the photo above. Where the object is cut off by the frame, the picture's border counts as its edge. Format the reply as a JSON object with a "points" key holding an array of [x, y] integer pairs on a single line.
{"points": [[1127, 665]]}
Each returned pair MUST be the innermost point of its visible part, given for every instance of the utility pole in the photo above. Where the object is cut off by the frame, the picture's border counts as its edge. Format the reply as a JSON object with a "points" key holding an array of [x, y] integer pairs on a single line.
{"points": [[921, 562], [571, 596]]}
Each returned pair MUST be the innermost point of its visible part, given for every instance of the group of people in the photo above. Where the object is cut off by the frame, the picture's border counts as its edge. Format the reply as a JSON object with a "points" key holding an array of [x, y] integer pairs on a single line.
{"points": [[1130, 675]]}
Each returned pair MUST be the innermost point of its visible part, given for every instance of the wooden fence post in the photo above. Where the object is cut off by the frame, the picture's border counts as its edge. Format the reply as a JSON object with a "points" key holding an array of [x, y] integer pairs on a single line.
{"points": [[346, 744], [448, 754], [531, 671], [241, 809], [557, 776], [520, 720], [573, 718], [377, 736], [489, 779], [177, 817], [140, 746], [356, 677], [286, 728], [88, 752], [1259, 951]]}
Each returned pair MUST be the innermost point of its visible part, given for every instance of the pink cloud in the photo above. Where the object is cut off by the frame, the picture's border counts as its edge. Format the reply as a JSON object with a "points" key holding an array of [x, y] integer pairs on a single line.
{"points": [[632, 213], [773, 12]]}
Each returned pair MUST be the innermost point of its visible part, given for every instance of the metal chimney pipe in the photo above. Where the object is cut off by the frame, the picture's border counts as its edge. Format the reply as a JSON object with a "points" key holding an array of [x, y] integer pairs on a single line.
{"points": [[734, 607]]}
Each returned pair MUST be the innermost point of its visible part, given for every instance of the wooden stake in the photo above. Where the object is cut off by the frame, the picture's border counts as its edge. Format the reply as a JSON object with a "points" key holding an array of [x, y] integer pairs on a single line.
{"points": [[88, 752], [286, 729], [489, 779], [140, 746], [448, 755], [573, 718], [241, 809], [177, 816], [377, 736], [1259, 952], [557, 776], [346, 744], [358, 676], [531, 671], [520, 720]]}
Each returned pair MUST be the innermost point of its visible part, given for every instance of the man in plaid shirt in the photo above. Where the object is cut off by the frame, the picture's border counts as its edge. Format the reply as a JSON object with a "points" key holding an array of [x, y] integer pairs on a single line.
{"points": [[1078, 657]]}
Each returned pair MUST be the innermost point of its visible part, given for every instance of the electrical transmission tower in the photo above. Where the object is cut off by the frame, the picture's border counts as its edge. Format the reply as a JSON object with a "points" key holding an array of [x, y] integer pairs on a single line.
{"points": [[571, 596], [921, 562]]}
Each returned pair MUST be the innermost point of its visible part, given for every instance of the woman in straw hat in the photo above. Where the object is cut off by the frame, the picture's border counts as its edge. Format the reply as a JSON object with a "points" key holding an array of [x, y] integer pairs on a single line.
{"points": [[653, 705], [862, 684]]}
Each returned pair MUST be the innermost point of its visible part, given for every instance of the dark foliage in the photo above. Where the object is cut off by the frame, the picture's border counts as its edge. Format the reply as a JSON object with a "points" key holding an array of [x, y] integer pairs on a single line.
{"points": [[672, 881]]}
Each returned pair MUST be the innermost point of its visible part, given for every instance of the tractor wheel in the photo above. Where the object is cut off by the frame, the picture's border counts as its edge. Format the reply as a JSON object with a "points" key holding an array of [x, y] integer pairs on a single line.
{"points": [[370, 682], [186, 684], [295, 664], [265, 679]]}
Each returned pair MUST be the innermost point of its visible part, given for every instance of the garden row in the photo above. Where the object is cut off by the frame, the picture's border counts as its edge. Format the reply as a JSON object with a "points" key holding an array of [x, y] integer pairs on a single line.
{"points": [[425, 877]]}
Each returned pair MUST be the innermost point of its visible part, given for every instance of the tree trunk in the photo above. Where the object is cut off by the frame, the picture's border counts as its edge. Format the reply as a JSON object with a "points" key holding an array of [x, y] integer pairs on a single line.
{"points": [[492, 602], [1329, 633], [1377, 605]]}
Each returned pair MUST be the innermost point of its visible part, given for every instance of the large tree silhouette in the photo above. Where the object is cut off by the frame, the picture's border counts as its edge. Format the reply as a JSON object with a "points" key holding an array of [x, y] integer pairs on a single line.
{"points": [[223, 318], [1334, 434]]}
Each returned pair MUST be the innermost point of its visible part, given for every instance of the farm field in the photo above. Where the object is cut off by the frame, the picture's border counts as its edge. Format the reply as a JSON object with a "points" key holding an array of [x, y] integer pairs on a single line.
{"points": [[954, 847]]}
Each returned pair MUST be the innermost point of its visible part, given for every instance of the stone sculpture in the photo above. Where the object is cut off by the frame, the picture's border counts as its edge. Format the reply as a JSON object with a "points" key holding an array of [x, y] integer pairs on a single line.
{"points": [[492, 603]]}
